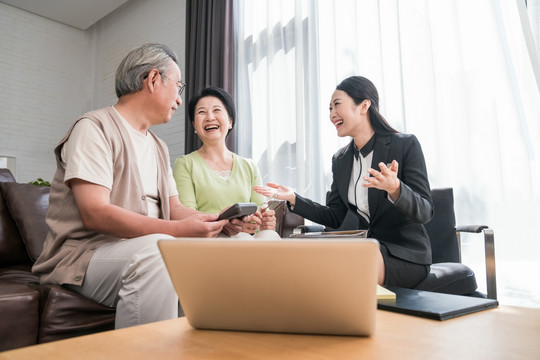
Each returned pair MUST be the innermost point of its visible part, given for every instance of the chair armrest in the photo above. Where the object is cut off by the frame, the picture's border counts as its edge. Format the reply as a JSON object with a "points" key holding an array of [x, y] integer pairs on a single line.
{"points": [[489, 248], [471, 228], [286, 220]]}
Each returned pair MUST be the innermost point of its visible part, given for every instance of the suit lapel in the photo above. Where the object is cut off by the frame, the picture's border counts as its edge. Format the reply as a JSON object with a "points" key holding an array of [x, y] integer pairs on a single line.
{"points": [[380, 154]]}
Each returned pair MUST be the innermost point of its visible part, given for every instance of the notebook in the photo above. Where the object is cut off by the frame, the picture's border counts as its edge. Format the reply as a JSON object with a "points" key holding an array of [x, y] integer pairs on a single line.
{"points": [[308, 286], [385, 294], [433, 305]]}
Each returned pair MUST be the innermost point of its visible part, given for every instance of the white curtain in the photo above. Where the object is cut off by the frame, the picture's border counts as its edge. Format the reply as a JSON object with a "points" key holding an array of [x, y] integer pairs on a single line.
{"points": [[533, 11], [277, 92], [459, 74]]}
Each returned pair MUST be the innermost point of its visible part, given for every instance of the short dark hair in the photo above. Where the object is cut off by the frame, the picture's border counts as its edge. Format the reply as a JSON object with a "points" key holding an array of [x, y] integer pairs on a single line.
{"points": [[216, 92], [359, 89]]}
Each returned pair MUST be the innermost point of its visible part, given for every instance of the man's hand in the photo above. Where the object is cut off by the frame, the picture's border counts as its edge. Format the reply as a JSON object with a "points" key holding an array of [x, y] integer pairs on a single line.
{"points": [[98, 214], [199, 225]]}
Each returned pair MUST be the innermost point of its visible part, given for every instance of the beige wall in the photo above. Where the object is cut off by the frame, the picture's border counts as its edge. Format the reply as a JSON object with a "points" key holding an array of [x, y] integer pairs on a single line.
{"points": [[51, 73]]}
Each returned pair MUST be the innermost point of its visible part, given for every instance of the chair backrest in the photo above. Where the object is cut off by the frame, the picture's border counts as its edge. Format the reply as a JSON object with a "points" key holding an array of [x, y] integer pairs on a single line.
{"points": [[286, 220], [442, 227]]}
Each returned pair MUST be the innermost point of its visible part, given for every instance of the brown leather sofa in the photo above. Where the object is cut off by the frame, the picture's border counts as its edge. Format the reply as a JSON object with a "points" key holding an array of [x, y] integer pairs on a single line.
{"points": [[31, 313]]}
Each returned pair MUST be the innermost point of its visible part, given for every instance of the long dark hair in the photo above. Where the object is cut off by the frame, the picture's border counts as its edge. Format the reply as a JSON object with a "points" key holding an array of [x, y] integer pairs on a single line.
{"points": [[359, 89]]}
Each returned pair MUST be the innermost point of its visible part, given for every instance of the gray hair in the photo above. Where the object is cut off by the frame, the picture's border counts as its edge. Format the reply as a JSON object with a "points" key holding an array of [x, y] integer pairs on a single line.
{"points": [[138, 63]]}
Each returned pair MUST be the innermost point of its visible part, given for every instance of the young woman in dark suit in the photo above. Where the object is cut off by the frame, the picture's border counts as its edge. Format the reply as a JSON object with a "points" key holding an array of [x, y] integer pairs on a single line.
{"points": [[381, 177]]}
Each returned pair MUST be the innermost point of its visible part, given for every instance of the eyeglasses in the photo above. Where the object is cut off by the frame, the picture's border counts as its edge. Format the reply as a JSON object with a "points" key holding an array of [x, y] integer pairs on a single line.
{"points": [[181, 85]]}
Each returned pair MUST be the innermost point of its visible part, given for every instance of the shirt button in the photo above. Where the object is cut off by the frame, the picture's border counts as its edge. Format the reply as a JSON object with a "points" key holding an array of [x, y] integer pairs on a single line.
{"points": [[143, 197], [78, 277]]}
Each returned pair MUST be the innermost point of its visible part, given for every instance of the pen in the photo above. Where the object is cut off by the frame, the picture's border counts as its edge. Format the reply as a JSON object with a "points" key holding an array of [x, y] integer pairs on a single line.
{"points": [[272, 206]]}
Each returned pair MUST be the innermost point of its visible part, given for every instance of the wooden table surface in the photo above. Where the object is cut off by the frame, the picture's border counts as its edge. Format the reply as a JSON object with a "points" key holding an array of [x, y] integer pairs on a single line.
{"points": [[501, 333]]}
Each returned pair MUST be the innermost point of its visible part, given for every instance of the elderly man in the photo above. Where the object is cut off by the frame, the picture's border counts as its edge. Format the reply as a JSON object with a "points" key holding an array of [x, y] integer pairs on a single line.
{"points": [[113, 196]]}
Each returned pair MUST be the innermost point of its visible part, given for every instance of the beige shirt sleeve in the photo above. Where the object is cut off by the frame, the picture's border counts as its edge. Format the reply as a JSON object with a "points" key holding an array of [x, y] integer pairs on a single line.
{"points": [[87, 155]]}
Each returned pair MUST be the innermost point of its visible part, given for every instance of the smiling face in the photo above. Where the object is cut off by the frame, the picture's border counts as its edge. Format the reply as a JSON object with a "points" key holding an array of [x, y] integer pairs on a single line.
{"points": [[348, 117], [211, 120], [169, 99]]}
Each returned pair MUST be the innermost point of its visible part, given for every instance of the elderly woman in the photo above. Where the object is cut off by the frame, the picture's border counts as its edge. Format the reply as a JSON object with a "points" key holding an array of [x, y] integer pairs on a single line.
{"points": [[213, 178]]}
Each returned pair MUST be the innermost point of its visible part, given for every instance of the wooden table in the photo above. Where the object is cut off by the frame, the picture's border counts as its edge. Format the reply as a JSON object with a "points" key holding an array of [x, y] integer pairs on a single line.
{"points": [[502, 333]]}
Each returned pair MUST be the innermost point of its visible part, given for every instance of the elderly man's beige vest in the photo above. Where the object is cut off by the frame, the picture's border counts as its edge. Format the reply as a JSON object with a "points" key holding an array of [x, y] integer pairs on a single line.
{"points": [[69, 246]]}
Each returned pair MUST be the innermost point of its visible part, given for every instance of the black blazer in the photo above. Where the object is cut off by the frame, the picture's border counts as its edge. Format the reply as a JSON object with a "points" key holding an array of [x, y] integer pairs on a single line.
{"points": [[397, 225]]}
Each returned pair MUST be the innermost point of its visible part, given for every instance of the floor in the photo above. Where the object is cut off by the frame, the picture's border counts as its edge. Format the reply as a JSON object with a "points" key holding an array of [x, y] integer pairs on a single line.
{"points": [[518, 282]]}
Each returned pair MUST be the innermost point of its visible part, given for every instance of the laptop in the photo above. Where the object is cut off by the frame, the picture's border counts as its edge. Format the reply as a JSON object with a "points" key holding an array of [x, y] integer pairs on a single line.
{"points": [[433, 305], [307, 286]]}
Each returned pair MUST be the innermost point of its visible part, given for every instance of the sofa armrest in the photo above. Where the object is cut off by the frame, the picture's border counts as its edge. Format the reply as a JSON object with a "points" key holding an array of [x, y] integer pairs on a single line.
{"points": [[65, 314]]}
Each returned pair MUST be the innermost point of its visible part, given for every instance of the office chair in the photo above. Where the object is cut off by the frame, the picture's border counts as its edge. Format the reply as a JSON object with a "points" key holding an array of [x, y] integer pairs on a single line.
{"points": [[448, 274]]}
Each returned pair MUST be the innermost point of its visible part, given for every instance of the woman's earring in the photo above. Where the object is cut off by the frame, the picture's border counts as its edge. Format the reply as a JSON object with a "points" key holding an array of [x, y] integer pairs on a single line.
{"points": [[195, 131]]}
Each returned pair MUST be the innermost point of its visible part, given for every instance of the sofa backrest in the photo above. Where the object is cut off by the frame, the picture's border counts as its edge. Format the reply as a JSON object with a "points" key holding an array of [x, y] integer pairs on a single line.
{"points": [[23, 208], [6, 176]]}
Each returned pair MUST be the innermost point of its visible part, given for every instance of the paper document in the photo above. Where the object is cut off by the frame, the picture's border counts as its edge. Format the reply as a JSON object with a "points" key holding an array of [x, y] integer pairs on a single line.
{"points": [[385, 294], [332, 234]]}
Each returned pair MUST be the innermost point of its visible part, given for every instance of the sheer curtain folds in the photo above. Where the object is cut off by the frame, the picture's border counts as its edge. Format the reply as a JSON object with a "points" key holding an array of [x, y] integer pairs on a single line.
{"points": [[461, 75], [277, 87]]}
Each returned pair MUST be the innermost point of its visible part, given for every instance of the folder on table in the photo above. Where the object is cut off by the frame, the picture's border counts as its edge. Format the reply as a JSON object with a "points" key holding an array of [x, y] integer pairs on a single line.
{"points": [[433, 305]]}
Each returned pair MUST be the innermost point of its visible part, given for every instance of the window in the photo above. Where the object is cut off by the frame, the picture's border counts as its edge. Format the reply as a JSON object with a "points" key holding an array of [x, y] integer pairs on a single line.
{"points": [[459, 75], [278, 92], [9, 162]]}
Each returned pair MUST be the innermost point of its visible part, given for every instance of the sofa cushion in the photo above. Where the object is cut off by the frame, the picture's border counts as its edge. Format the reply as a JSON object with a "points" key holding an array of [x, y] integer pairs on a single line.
{"points": [[19, 305], [66, 314], [21, 274], [28, 206]]}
